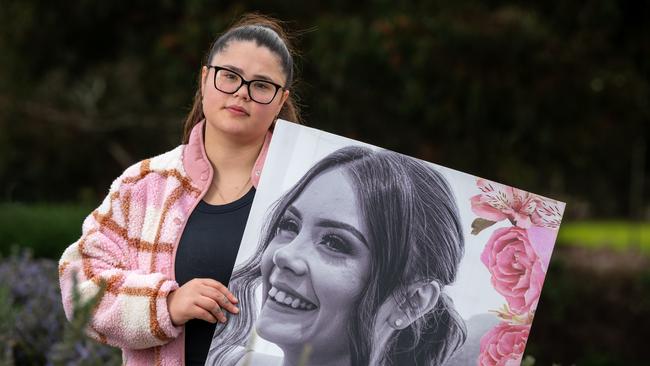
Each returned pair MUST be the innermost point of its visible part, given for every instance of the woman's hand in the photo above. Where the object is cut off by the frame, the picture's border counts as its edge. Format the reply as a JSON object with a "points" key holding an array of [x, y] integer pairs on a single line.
{"points": [[201, 298]]}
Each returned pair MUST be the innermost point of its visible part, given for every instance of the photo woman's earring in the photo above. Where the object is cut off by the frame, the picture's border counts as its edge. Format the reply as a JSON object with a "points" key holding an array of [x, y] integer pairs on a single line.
{"points": [[422, 298], [398, 320]]}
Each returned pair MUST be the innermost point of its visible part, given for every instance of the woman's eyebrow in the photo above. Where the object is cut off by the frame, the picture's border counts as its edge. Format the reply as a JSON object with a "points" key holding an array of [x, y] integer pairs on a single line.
{"points": [[344, 226], [255, 77], [294, 211]]}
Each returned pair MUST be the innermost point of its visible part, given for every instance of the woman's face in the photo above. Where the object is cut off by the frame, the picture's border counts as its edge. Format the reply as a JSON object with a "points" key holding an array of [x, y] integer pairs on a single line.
{"points": [[315, 268], [236, 114]]}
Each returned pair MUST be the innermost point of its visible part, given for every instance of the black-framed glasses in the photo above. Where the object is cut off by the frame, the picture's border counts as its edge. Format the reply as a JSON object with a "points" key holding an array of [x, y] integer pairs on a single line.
{"points": [[228, 81]]}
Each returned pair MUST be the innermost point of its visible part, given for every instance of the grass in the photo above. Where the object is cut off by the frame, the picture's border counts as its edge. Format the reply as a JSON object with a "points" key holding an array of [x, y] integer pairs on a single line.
{"points": [[619, 235]]}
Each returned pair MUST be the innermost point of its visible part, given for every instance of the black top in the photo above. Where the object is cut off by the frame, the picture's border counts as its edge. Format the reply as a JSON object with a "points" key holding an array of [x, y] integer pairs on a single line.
{"points": [[208, 249]]}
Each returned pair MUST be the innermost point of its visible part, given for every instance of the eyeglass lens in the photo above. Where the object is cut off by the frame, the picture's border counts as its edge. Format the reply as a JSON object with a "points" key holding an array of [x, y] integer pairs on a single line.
{"points": [[259, 91]]}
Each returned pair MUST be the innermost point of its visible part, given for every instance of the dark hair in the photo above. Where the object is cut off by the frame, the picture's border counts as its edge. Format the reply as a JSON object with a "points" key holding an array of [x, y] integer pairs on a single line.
{"points": [[264, 31], [410, 210]]}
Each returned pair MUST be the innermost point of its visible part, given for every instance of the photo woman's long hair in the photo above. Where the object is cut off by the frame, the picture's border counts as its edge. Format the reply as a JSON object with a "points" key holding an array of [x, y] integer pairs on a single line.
{"points": [[415, 234]]}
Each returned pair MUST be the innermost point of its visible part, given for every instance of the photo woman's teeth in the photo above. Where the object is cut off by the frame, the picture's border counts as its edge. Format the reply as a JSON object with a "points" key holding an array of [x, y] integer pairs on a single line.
{"points": [[285, 299]]}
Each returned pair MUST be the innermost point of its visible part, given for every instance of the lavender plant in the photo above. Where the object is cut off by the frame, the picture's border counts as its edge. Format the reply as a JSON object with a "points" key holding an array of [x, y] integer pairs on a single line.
{"points": [[6, 327], [32, 321]]}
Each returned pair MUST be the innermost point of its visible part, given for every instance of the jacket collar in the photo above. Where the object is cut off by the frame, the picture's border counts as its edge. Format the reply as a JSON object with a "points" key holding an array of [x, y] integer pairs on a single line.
{"points": [[198, 167]]}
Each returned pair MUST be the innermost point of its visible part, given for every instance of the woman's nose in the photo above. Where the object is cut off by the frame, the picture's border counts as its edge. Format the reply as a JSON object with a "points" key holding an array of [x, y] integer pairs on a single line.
{"points": [[290, 257], [242, 92]]}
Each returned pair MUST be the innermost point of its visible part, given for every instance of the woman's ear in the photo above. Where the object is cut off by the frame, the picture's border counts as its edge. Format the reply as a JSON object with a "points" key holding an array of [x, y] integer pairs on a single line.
{"points": [[283, 99], [422, 298]]}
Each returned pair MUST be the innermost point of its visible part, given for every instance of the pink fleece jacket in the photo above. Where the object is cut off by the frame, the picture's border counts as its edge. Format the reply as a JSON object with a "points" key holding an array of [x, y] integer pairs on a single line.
{"points": [[130, 242]]}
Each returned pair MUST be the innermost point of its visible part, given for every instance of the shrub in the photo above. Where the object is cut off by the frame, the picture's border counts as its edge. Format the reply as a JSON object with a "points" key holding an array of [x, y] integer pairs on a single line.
{"points": [[47, 229], [32, 321]]}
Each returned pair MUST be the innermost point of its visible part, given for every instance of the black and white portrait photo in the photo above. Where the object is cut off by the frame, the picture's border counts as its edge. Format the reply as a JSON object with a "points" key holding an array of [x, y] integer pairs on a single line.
{"points": [[357, 255]]}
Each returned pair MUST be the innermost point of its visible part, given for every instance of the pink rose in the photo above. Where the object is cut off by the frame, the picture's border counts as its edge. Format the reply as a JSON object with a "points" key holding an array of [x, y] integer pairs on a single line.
{"points": [[503, 345], [517, 271], [497, 202]]}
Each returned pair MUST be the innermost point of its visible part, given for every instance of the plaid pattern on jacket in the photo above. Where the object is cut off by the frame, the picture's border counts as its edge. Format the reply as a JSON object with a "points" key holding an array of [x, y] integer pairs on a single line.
{"points": [[130, 242]]}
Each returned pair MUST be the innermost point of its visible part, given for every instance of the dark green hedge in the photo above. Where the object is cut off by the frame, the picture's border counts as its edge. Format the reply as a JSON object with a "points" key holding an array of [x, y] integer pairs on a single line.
{"points": [[45, 229], [594, 309]]}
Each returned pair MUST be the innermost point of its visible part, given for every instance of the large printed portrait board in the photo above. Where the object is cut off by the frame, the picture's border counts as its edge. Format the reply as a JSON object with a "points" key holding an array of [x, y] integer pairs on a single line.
{"points": [[356, 255]]}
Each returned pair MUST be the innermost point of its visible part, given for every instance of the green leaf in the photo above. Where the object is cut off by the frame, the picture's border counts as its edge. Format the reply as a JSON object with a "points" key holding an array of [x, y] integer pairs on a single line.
{"points": [[480, 224]]}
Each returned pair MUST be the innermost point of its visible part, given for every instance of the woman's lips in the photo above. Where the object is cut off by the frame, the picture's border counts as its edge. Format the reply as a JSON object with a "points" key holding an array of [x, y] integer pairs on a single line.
{"points": [[237, 110]]}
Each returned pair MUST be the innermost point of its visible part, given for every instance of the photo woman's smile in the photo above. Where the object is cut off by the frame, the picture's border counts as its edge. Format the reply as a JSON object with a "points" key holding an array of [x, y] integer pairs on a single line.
{"points": [[287, 297], [315, 267]]}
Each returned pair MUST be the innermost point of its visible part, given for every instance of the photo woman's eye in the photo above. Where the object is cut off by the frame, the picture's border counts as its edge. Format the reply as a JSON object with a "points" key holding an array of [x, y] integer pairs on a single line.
{"points": [[336, 244], [287, 226]]}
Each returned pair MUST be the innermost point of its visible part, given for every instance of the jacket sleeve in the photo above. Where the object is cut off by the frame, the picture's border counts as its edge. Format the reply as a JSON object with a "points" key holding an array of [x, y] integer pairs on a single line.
{"points": [[133, 312]]}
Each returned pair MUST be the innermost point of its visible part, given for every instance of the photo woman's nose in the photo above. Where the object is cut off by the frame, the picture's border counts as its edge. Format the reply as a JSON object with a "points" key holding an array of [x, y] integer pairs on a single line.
{"points": [[289, 257]]}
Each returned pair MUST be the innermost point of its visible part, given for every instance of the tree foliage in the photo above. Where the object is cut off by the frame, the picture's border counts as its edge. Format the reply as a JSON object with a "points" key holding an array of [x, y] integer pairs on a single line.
{"points": [[552, 97]]}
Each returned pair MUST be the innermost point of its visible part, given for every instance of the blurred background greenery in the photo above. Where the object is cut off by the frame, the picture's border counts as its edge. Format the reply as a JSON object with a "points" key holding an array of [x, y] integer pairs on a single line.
{"points": [[551, 97]]}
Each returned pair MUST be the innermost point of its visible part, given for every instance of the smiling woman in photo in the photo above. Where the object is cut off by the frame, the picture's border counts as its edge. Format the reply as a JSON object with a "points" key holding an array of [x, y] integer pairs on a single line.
{"points": [[353, 263], [314, 269]]}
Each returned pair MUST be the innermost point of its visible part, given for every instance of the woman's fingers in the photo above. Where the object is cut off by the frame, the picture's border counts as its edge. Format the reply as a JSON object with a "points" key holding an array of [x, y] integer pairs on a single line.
{"points": [[221, 288], [203, 314], [200, 299], [221, 298], [211, 306], [225, 303]]}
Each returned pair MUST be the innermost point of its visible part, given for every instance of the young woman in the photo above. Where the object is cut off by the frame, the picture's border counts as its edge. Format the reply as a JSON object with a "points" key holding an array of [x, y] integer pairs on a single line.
{"points": [[353, 264], [164, 240]]}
